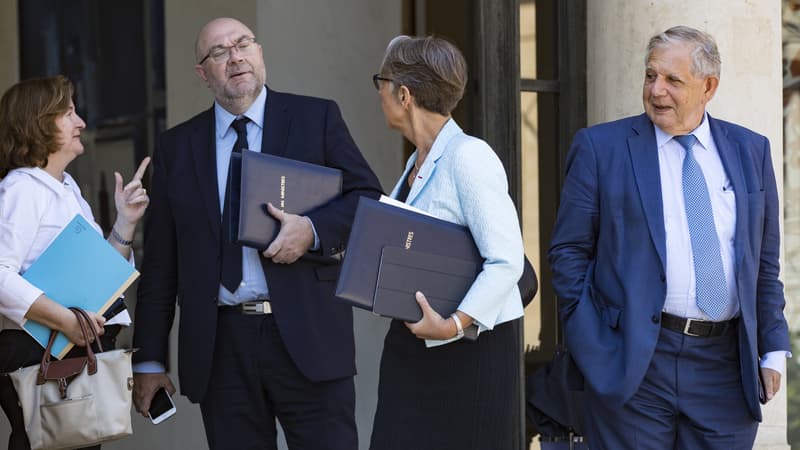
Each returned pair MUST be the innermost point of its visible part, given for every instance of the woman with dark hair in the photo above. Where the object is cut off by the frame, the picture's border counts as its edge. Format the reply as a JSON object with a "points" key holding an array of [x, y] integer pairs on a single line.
{"points": [[39, 136], [436, 390]]}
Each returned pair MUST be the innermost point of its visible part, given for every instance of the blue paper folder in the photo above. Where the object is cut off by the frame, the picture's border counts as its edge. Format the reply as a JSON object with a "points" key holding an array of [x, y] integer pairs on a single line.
{"points": [[79, 268]]}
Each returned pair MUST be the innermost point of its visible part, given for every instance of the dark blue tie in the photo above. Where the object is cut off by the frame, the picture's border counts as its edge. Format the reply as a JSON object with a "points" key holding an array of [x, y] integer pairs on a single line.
{"points": [[231, 264], [710, 286]]}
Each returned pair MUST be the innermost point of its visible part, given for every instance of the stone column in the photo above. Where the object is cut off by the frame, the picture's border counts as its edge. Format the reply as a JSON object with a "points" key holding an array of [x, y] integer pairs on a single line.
{"points": [[9, 44], [749, 39]]}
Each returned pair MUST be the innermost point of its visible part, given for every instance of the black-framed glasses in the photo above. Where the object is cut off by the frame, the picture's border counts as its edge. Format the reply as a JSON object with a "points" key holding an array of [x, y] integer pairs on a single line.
{"points": [[377, 77], [221, 53]]}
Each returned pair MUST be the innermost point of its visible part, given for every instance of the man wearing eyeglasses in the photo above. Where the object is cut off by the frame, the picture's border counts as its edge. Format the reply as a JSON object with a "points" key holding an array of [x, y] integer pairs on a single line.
{"points": [[261, 338]]}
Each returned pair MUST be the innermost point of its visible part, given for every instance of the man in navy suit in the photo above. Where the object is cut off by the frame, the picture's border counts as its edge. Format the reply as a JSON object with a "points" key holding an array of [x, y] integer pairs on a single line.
{"points": [[665, 261], [262, 338]]}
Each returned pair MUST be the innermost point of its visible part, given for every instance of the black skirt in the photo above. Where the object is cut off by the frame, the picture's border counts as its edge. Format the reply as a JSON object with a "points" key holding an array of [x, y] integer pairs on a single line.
{"points": [[460, 396]]}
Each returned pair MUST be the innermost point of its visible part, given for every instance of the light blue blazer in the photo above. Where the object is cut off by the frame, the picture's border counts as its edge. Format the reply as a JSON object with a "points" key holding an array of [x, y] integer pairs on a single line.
{"points": [[463, 181]]}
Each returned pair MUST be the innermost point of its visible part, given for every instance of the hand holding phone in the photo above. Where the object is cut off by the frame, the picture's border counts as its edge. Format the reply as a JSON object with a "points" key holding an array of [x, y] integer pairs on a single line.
{"points": [[161, 406]]}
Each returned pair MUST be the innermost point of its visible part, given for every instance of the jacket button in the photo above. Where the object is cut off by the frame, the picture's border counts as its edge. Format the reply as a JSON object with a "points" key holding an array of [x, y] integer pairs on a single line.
{"points": [[655, 318]]}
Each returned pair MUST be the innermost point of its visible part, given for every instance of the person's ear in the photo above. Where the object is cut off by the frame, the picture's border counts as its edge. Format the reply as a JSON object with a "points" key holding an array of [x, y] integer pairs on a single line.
{"points": [[201, 72], [710, 88], [404, 95]]}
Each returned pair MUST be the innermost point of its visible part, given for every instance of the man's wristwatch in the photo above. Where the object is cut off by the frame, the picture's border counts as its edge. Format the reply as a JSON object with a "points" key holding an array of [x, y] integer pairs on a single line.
{"points": [[459, 328]]}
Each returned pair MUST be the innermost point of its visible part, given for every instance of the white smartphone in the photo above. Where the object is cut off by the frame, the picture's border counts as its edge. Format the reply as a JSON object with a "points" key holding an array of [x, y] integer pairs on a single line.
{"points": [[161, 407]]}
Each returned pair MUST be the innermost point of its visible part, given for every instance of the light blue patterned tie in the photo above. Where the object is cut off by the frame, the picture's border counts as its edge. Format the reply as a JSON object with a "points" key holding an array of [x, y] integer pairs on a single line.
{"points": [[710, 286]]}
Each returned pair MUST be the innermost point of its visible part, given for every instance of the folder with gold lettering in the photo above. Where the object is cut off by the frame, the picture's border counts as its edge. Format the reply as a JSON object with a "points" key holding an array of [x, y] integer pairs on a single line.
{"points": [[293, 186], [378, 226]]}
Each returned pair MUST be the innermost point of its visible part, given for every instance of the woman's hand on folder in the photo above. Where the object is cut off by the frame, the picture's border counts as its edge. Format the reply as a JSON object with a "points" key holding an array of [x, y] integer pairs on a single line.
{"points": [[56, 317], [293, 240], [432, 325]]}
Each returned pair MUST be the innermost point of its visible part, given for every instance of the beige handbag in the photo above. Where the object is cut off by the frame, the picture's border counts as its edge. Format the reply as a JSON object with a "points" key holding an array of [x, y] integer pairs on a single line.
{"points": [[76, 402]]}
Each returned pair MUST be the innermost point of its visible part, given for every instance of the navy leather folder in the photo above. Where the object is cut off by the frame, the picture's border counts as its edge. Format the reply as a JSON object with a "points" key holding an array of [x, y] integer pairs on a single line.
{"points": [[444, 280], [293, 186], [377, 226]]}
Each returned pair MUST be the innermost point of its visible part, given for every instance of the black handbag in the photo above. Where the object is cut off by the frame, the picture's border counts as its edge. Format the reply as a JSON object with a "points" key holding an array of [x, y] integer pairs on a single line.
{"points": [[528, 284]]}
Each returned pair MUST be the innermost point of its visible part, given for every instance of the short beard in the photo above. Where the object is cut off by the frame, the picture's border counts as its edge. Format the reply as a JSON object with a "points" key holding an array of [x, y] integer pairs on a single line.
{"points": [[235, 101]]}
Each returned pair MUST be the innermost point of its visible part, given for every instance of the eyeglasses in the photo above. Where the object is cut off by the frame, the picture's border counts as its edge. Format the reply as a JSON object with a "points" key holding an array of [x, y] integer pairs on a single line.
{"points": [[377, 77], [221, 53]]}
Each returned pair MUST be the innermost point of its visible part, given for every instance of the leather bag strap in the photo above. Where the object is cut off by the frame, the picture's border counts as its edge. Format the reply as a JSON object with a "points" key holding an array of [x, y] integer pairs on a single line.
{"points": [[65, 369]]}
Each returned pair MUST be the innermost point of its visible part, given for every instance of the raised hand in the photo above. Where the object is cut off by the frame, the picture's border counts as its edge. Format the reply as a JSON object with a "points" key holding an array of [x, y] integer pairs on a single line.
{"points": [[131, 200]]}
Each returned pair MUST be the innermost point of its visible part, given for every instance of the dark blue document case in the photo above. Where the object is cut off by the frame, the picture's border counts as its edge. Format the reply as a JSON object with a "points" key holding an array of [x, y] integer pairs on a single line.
{"points": [[293, 186], [385, 232]]}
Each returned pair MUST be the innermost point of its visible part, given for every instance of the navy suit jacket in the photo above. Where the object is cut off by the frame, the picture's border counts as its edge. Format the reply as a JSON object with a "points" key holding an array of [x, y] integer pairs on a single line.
{"points": [[608, 253], [182, 245]]}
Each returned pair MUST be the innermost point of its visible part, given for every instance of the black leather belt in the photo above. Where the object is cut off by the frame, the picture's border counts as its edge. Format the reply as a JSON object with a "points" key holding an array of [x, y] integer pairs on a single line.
{"points": [[696, 328], [257, 307]]}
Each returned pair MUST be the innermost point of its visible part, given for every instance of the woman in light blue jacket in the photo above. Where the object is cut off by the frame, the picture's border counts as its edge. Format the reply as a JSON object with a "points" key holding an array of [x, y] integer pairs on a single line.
{"points": [[438, 391]]}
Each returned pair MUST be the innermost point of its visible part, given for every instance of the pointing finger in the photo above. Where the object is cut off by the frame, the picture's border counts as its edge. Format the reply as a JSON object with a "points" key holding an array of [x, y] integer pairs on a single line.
{"points": [[118, 180], [142, 167]]}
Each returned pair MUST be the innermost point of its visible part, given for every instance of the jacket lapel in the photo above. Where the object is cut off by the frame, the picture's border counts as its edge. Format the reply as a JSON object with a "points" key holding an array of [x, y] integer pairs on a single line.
{"points": [[730, 154], [644, 157], [424, 174], [276, 125], [440, 144], [202, 142]]}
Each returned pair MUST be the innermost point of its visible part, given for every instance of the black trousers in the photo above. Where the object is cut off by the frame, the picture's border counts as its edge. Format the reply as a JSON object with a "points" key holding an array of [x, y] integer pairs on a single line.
{"points": [[18, 349], [254, 381]]}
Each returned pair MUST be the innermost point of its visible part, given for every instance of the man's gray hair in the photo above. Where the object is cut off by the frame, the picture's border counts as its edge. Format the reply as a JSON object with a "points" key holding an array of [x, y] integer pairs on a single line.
{"points": [[706, 61]]}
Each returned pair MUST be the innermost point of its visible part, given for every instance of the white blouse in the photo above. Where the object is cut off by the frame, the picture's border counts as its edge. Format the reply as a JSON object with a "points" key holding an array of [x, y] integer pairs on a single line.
{"points": [[34, 207]]}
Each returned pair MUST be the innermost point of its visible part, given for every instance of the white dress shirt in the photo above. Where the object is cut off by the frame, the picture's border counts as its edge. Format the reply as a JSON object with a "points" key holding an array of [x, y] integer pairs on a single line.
{"points": [[34, 207], [681, 300]]}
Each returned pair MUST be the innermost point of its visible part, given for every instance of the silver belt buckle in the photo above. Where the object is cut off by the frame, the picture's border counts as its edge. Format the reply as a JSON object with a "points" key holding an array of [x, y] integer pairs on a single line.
{"points": [[260, 307], [686, 328]]}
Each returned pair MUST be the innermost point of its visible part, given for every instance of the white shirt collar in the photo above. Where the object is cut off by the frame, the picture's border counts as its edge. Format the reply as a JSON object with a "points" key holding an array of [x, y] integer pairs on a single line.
{"points": [[59, 187], [702, 133]]}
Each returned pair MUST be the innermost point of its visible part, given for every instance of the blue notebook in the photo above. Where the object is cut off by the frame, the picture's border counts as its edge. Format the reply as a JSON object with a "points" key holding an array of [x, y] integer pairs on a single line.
{"points": [[79, 268]]}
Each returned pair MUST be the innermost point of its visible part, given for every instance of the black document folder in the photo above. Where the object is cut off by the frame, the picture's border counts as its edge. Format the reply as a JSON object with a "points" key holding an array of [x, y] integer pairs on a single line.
{"points": [[296, 187], [444, 280], [377, 226]]}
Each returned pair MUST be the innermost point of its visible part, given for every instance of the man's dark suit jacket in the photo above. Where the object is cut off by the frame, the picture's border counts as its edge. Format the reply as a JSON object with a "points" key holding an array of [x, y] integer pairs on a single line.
{"points": [[182, 245], [608, 253]]}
